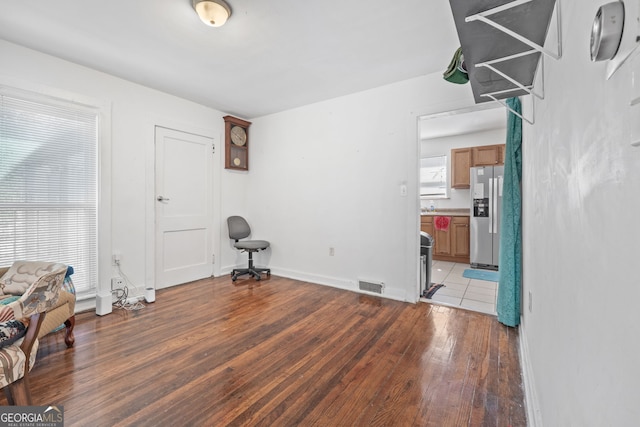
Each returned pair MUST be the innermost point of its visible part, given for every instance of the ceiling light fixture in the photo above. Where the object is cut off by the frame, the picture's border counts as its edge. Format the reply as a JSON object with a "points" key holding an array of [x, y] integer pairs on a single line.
{"points": [[212, 12]]}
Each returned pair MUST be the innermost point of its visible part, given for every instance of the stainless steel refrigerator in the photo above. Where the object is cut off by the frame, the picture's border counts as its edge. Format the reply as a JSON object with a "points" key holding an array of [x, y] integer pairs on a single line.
{"points": [[486, 204]]}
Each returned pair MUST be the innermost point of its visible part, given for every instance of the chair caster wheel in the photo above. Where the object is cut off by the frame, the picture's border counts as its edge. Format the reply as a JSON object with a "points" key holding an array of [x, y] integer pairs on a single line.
{"points": [[233, 278]]}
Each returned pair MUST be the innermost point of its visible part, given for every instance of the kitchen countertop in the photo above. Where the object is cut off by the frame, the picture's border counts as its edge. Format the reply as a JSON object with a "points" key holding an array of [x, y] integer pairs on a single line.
{"points": [[448, 212]]}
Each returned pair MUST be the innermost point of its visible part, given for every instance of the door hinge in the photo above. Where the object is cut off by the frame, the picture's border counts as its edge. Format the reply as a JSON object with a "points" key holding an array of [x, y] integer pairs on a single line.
{"points": [[213, 148], [213, 259]]}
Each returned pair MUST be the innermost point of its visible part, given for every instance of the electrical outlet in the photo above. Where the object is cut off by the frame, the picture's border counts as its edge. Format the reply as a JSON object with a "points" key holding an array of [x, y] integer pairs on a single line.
{"points": [[332, 251], [530, 302], [117, 283]]}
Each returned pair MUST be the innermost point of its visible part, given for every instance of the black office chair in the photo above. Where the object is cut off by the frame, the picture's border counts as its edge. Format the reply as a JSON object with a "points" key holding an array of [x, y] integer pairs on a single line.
{"points": [[239, 229]]}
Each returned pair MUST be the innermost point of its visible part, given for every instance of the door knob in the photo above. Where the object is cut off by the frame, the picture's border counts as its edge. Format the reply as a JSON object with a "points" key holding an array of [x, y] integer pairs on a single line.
{"points": [[162, 199]]}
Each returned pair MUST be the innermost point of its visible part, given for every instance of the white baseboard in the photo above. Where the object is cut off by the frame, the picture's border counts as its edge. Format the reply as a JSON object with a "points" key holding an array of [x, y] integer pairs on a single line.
{"points": [[86, 304], [334, 282], [534, 417]]}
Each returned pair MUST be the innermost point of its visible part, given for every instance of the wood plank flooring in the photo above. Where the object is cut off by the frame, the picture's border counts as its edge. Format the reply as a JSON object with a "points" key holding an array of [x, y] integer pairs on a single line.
{"points": [[281, 352]]}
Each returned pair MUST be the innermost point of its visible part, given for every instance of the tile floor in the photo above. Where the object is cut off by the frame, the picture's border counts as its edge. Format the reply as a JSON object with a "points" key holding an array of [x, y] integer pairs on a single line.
{"points": [[458, 291]]}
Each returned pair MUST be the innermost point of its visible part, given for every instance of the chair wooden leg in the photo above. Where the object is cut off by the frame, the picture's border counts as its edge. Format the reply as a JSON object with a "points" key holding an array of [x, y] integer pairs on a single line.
{"points": [[20, 392], [7, 393], [69, 339]]}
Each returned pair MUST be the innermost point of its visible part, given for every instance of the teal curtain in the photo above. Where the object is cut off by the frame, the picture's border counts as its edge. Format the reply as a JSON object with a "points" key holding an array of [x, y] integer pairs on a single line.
{"points": [[510, 261]]}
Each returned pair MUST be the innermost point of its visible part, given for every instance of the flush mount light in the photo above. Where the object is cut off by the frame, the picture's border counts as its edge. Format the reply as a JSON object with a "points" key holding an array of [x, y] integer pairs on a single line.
{"points": [[212, 12], [606, 32]]}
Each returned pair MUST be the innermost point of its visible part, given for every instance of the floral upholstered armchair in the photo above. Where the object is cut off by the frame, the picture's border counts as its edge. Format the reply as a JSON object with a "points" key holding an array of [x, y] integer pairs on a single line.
{"points": [[20, 323], [16, 279]]}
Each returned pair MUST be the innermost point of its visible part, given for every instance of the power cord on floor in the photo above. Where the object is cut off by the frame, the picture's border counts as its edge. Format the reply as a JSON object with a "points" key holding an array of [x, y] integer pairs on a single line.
{"points": [[122, 294]]}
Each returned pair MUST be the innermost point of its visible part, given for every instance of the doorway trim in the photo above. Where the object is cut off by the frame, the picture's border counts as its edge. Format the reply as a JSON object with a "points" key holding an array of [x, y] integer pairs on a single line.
{"points": [[435, 111]]}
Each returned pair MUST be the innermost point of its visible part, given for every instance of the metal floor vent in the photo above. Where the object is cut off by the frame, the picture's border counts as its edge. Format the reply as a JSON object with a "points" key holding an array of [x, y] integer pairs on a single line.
{"points": [[371, 286]]}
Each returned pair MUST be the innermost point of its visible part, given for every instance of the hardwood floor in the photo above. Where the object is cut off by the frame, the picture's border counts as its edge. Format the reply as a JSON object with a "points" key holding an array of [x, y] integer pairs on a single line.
{"points": [[281, 352]]}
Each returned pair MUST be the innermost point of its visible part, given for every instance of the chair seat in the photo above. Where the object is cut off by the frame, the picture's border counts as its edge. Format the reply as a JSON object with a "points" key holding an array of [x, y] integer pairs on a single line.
{"points": [[252, 245], [12, 360]]}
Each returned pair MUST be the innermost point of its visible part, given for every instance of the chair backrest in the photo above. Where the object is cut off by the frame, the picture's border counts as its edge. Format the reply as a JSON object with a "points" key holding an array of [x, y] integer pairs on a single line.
{"points": [[41, 296], [238, 228]]}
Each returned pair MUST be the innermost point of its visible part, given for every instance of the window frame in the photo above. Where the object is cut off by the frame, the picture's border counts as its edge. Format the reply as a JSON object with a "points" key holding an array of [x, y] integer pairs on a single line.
{"points": [[443, 162], [26, 90]]}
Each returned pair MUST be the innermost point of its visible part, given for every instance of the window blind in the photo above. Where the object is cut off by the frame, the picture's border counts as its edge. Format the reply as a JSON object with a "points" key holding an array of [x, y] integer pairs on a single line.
{"points": [[433, 176], [48, 185]]}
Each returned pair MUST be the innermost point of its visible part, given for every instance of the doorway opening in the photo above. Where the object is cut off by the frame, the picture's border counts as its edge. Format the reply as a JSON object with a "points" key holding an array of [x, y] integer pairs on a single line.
{"points": [[439, 134]]}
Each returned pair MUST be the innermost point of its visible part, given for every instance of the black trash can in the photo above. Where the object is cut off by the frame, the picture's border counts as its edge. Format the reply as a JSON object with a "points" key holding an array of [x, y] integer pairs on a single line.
{"points": [[426, 247]]}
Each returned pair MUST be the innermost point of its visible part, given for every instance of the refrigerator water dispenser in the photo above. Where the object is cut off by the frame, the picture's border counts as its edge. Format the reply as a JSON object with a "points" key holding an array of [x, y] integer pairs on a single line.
{"points": [[481, 208]]}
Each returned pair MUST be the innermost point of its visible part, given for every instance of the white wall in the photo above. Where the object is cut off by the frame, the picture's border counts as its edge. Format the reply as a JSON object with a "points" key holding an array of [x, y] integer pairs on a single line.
{"points": [[330, 175], [135, 110], [324, 175], [582, 238], [457, 197]]}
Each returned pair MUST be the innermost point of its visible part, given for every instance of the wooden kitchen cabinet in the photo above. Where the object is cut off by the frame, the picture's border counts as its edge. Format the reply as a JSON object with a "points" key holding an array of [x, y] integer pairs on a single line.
{"points": [[464, 158], [442, 242], [460, 236], [426, 224], [452, 244], [488, 155], [461, 161]]}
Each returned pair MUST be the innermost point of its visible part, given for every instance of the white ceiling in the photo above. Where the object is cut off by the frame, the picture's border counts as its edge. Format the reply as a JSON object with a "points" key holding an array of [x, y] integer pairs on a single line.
{"points": [[270, 56]]}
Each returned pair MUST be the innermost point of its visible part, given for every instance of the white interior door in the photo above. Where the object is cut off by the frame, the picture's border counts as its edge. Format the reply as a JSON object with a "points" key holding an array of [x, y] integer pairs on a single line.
{"points": [[183, 207]]}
